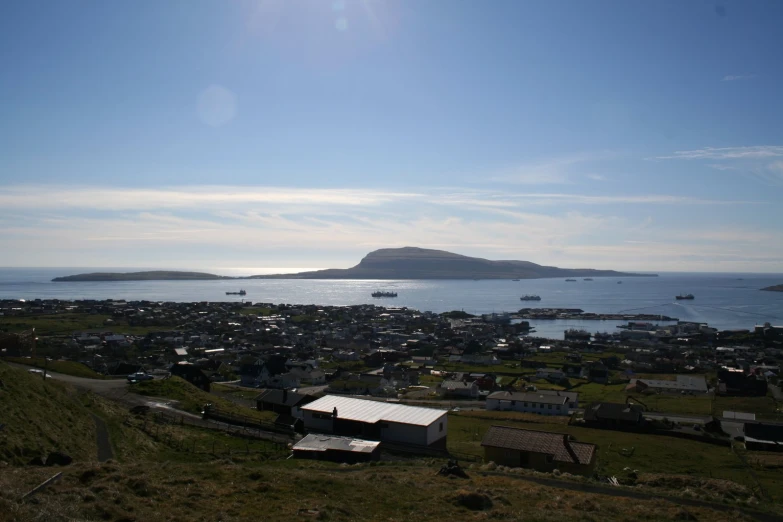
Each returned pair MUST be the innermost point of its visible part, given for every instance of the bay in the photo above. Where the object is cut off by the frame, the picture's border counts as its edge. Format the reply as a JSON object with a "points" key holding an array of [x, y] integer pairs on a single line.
{"points": [[724, 301]]}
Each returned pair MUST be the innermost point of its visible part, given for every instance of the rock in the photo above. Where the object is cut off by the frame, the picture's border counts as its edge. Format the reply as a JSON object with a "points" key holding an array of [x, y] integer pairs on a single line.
{"points": [[58, 459], [473, 500], [36, 461]]}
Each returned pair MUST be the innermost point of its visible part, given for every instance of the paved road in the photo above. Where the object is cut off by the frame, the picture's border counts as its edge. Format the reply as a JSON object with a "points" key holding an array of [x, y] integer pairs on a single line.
{"points": [[102, 386], [683, 419], [105, 451]]}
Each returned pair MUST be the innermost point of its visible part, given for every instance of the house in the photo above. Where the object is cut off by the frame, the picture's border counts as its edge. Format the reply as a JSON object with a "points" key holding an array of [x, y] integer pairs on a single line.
{"points": [[374, 420], [613, 415], [124, 368], [469, 390], [550, 374], [684, 384], [254, 375], [283, 402], [337, 449], [572, 370], [737, 382], [538, 450], [308, 376], [763, 436], [528, 402], [284, 380], [598, 373], [191, 373]]}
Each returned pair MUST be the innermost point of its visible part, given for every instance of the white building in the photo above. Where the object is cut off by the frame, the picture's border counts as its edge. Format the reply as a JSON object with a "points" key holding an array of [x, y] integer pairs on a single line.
{"points": [[375, 420], [529, 402]]}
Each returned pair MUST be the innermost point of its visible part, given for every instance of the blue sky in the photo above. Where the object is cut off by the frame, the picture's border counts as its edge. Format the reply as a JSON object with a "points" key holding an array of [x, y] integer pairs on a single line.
{"points": [[305, 133]]}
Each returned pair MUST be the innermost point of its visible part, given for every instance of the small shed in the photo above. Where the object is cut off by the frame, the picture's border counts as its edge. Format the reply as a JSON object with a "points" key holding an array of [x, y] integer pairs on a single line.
{"points": [[336, 449]]}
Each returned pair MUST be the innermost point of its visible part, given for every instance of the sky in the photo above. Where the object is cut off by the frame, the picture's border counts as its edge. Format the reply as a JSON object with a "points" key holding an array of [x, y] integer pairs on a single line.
{"points": [[307, 133]]}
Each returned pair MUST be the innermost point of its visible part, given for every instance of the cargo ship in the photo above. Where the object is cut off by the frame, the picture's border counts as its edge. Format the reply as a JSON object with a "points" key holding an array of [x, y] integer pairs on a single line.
{"points": [[241, 292], [530, 298], [685, 296], [384, 294]]}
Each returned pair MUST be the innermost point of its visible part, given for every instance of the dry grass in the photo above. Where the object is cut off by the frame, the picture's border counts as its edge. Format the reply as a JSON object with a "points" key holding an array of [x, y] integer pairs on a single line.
{"points": [[41, 416], [224, 490]]}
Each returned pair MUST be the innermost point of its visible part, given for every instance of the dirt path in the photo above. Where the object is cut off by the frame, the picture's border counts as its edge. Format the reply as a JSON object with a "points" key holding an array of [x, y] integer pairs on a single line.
{"points": [[105, 451]]}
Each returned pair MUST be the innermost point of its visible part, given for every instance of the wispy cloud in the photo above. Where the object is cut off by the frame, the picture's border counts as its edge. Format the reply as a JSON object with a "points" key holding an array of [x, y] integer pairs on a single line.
{"points": [[553, 171], [726, 153], [735, 77], [721, 166], [597, 177]]}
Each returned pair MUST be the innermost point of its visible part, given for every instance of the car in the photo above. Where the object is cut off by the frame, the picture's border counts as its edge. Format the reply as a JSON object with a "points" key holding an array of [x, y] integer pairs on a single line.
{"points": [[39, 372], [140, 376]]}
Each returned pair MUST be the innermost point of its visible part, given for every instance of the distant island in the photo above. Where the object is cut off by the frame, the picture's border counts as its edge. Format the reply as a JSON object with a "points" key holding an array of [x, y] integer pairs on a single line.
{"points": [[776, 288], [391, 263], [158, 275]]}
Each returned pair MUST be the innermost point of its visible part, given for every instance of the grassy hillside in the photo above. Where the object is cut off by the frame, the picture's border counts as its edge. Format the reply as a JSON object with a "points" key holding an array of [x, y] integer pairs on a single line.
{"points": [[192, 399], [39, 417], [301, 490], [65, 367]]}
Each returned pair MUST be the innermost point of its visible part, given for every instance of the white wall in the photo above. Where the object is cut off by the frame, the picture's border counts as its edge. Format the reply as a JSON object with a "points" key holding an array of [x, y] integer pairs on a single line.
{"points": [[434, 433], [532, 407], [311, 423], [404, 433]]}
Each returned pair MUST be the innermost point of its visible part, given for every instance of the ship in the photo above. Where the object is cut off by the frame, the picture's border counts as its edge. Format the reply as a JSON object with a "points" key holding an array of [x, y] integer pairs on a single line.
{"points": [[530, 298], [685, 296], [619, 282], [241, 292], [587, 279], [573, 334], [570, 280], [515, 279], [384, 294]]}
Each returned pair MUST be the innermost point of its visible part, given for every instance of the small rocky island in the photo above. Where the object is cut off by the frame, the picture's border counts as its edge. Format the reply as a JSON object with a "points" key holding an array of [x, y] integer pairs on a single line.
{"points": [[776, 288], [388, 263], [156, 275]]}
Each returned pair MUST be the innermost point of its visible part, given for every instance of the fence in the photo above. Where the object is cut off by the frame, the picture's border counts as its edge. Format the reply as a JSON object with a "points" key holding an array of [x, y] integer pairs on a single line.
{"points": [[163, 429]]}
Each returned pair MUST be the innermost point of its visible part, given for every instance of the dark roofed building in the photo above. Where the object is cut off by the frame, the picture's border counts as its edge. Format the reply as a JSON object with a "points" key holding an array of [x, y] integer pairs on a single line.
{"points": [[283, 402], [539, 450], [611, 414], [336, 449], [193, 374]]}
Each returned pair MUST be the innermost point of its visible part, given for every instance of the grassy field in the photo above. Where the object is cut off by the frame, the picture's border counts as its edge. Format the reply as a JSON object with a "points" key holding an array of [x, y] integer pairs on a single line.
{"points": [[192, 399], [65, 367], [618, 450], [41, 416], [678, 404], [66, 324], [298, 490], [236, 391]]}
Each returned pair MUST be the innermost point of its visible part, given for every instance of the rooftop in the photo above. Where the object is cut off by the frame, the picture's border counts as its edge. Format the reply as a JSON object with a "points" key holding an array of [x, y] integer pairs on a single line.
{"points": [[554, 444], [334, 443], [368, 411]]}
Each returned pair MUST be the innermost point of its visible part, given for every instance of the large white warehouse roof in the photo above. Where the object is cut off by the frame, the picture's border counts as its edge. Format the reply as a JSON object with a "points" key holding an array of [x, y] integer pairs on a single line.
{"points": [[363, 410]]}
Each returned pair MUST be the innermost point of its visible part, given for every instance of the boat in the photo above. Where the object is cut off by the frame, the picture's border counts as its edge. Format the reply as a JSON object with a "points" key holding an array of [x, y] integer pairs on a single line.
{"points": [[530, 298], [384, 294], [619, 282], [574, 334], [241, 292], [685, 296], [515, 279], [587, 279], [570, 280]]}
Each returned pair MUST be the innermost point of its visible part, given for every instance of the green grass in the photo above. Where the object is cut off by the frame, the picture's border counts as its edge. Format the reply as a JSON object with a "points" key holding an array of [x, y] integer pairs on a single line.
{"points": [[192, 399], [42, 416], [236, 391], [256, 310], [305, 490], [65, 367], [664, 403], [68, 323], [617, 450]]}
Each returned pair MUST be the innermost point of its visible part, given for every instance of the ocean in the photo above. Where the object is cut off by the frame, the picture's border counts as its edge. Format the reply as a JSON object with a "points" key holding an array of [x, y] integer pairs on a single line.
{"points": [[725, 301]]}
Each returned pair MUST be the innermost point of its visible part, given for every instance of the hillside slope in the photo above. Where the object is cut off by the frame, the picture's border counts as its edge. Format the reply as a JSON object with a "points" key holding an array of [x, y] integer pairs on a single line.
{"points": [[155, 275], [422, 263], [40, 417]]}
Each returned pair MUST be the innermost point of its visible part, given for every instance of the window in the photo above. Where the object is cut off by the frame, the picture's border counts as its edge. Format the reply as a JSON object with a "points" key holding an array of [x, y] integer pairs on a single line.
{"points": [[550, 458], [526, 405], [513, 403], [441, 427], [549, 406]]}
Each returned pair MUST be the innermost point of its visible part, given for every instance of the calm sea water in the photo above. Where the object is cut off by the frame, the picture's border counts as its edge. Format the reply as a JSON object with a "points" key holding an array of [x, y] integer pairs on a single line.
{"points": [[722, 300]]}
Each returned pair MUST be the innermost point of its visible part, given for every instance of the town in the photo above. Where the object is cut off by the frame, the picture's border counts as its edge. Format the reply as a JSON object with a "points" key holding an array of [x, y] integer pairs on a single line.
{"points": [[355, 383]]}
